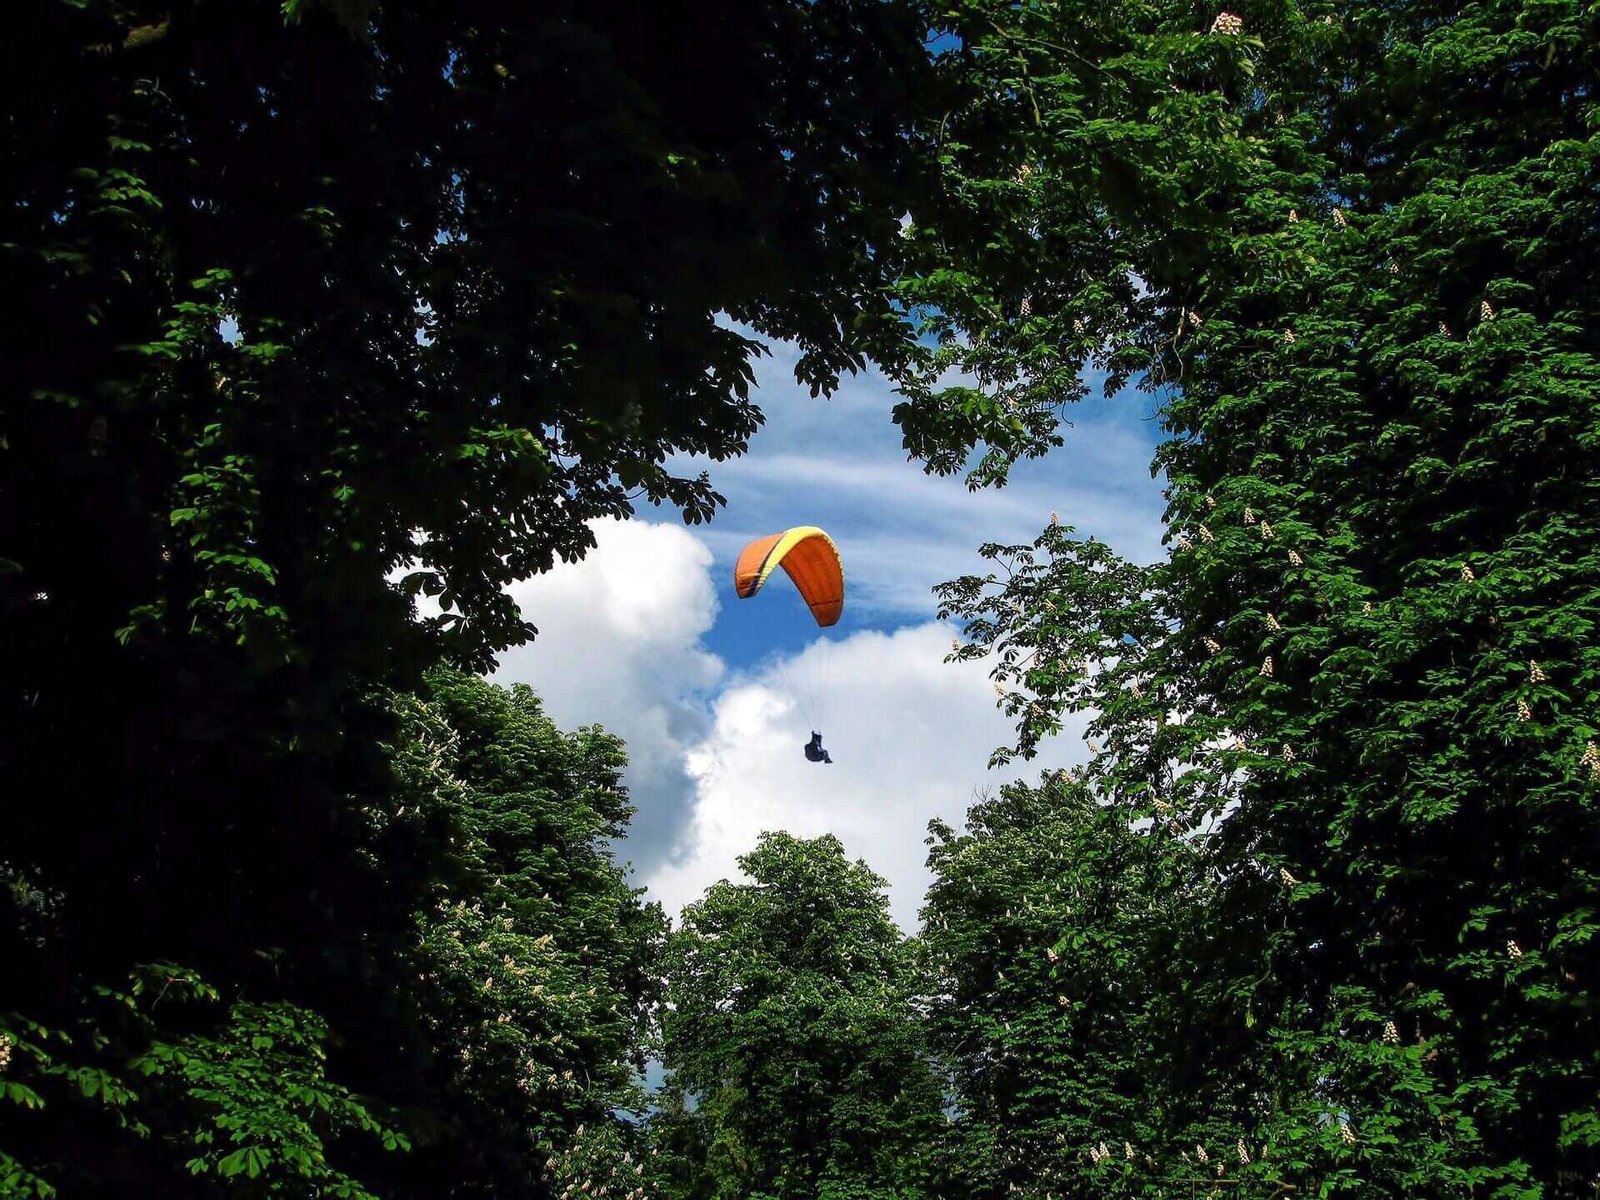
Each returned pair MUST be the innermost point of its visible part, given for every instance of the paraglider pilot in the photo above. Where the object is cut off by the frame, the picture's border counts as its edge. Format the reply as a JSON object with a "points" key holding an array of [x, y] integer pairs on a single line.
{"points": [[814, 750]]}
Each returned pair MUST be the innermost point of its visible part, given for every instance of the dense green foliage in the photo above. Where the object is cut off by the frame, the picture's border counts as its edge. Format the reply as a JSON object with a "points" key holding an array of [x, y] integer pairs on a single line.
{"points": [[536, 960], [318, 308], [789, 1020], [1058, 943], [1365, 685], [513, 1013], [243, 1098]]}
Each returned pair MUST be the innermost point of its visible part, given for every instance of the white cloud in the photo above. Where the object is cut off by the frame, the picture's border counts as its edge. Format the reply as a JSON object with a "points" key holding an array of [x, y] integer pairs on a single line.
{"points": [[910, 736], [840, 463], [620, 645]]}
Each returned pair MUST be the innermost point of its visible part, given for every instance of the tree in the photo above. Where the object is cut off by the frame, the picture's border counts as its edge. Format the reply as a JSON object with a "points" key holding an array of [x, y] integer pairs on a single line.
{"points": [[538, 963], [1087, 1054], [1366, 675], [789, 1025], [243, 1101], [291, 318], [316, 308], [497, 1044]]}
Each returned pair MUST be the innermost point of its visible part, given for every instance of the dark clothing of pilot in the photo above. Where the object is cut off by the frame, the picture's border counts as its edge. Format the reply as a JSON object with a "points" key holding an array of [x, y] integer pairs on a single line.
{"points": [[814, 750]]}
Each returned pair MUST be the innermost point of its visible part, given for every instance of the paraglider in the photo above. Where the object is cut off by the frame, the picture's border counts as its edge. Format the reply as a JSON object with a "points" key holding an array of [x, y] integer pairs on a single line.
{"points": [[812, 561]]}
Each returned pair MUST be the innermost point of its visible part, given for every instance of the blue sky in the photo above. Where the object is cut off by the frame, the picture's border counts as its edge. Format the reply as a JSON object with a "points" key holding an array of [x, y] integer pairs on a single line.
{"points": [[647, 638], [839, 463]]}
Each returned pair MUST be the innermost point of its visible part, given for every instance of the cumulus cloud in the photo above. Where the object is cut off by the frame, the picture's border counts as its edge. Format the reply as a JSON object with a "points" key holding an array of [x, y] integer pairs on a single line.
{"points": [[715, 756], [620, 645], [909, 733]]}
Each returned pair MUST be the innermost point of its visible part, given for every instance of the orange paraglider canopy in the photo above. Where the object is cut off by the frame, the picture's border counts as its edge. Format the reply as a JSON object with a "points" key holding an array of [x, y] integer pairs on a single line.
{"points": [[811, 559]]}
